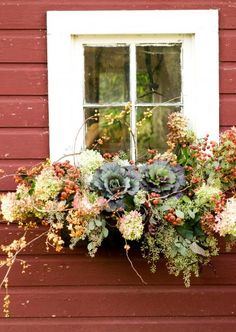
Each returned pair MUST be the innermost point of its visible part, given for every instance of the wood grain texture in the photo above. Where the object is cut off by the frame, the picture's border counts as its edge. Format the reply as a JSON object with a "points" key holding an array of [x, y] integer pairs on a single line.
{"points": [[228, 45], [123, 301], [228, 110], [31, 15], [106, 269], [119, 324], [23, 111], [23, 79], [24, 143], [228, 77], [102, 294], [19, 46]]}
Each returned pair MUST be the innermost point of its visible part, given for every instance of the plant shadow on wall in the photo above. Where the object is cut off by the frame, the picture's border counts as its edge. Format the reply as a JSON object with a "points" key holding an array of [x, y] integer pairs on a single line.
{"points": [[172, 204]]}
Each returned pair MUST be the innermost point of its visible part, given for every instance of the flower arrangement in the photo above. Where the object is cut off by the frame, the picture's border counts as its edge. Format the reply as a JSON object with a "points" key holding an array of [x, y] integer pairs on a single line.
{"points": [[175, 205]]}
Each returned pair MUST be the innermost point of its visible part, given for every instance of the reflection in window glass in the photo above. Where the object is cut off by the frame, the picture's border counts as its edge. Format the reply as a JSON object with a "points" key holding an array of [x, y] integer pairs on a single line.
{"points": [[109, 131], [106, 74], [152, 129], [156, 83], [158, 73]]}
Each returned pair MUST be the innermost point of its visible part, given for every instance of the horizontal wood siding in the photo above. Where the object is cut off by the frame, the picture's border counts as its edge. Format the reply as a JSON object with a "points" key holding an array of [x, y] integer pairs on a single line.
{"points": [[103, 324], [70, 291]]}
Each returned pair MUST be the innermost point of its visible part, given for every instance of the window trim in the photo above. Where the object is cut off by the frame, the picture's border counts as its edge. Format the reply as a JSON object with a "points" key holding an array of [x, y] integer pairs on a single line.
{"points": [[64, 28]]}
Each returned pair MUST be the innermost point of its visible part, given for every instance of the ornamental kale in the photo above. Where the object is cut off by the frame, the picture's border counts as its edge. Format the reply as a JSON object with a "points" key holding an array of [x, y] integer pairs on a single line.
{"points": [[115, 182], [162, 178]]}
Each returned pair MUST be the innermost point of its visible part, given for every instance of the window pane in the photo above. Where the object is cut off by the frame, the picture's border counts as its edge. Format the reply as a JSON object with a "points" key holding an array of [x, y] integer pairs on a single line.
{"points": [[106, 74], [158, 73], [152, 129], [111, 128]]}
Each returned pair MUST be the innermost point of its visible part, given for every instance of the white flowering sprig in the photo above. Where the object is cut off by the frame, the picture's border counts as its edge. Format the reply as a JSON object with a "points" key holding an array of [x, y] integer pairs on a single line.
{"points": [[226, 220], [131, 225]]}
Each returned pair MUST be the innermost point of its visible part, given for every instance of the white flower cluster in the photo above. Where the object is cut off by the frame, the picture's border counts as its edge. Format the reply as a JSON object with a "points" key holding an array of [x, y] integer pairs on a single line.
{"points": [[47, 185], [131, 225], [88, 162], [226, 220], [14, 209], [205, 194], [140, 198]]}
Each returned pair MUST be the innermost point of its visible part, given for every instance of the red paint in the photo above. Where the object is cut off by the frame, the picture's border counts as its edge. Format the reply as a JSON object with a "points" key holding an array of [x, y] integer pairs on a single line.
{"points": [[23, 111], [31, 15], [23, 46], [228, 109], [23, 79], [21, 143], [124, 324], [123, 301], [74, 283]]}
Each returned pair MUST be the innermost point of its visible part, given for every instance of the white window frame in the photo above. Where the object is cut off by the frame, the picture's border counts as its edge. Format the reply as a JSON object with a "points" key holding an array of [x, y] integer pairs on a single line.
{"points": [[68, 30]]}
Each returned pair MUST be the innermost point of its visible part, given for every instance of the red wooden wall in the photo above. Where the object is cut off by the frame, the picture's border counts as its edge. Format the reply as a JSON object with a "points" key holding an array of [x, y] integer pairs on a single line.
{"points": [[70, 291]]}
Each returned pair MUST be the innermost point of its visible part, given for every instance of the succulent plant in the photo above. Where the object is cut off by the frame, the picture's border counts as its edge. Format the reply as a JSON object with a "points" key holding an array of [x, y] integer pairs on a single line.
{"points": [[162, 178], [114, 182]]}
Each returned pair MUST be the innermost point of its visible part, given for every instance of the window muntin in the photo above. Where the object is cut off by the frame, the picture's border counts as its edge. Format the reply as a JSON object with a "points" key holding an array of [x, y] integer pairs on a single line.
{"points": [[67, 31], [147, 75]]}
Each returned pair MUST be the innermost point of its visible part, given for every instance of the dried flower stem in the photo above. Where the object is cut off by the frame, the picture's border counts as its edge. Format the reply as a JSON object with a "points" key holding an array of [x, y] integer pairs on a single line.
{"points": [[127, 247], [13, 259]]}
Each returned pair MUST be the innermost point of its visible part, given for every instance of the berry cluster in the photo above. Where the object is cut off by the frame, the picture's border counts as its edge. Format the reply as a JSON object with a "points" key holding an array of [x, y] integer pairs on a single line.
{"points": [[172, 218], [204, 149], [65, 169], [154, 198], [207, 223], [70, 188], [71, 175], [25, 176]]}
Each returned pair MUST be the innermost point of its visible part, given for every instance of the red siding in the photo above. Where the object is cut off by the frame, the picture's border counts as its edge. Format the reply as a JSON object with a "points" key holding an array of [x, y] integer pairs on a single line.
{"points": [[101, 294]]}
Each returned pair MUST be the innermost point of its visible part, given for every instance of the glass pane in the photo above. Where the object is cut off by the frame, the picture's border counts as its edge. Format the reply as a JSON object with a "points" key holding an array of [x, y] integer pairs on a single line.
{"points": [[109, 132], [106, 74], [152, 129], [158, 73]]}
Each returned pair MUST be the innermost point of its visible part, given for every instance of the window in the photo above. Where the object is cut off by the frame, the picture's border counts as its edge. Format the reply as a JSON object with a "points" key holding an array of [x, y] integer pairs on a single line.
{"points": [[148, 76], [158, 61]]}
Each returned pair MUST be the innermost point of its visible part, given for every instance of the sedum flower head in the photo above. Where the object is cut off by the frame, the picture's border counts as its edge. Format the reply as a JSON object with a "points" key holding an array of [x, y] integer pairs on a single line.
{"points": [[226, 220], [8, 204], [162, 178], [89, 161], [47, 184], [140, 198], [205, 194], [179, 132], [131, 225], [15, 208]]}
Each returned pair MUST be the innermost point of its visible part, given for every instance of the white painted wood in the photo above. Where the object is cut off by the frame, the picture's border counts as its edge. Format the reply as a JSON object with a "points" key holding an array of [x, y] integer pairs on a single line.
{"points": [[68, 31], [133, 138]]}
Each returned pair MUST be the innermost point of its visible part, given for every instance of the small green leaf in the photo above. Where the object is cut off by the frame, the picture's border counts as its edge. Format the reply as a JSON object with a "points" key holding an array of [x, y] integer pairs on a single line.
{"points": [[90, 246], [185, 232], [98, 222], [186, 199], [91, 226], [179, 214], [183, 251], [105, 232], [197, 249], [191, 214]]}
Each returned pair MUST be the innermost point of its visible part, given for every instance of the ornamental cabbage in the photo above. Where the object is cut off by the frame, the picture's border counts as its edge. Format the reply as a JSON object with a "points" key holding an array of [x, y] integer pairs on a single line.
{"points": [[162, 178], [115, 182]]}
